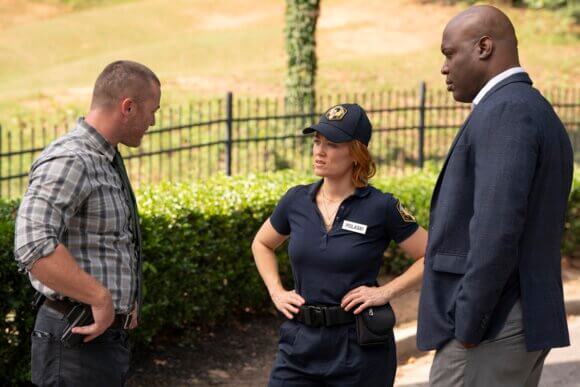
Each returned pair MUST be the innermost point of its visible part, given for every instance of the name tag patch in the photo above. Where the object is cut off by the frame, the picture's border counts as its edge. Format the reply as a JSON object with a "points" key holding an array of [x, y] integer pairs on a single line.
{"points": [[354, 227]]}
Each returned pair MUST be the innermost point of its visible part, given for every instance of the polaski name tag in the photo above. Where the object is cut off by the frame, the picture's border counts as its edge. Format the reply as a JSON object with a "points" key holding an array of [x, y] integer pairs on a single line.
{"points": [[354, 227]]}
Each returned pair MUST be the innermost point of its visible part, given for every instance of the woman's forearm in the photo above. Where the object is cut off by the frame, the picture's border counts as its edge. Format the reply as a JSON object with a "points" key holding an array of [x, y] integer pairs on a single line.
{"points": [[267, 265], [409, 280]]}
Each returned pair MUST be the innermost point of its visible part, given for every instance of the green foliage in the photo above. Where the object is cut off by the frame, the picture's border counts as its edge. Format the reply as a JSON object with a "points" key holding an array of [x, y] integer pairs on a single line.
{"points": [[414, 192], [573, 11], [571, 243], [15, 310], [550, 4], [198, 266], [570, 8], [301, 18]]}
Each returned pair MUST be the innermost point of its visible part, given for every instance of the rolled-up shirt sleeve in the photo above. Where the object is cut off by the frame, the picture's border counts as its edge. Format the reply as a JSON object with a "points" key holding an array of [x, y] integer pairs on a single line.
{"points": [[58, 185]]}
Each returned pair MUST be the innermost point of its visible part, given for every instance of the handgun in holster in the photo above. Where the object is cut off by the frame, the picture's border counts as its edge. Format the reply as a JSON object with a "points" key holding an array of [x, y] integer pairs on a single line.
{"points": [[37, 300], [79, 315]]}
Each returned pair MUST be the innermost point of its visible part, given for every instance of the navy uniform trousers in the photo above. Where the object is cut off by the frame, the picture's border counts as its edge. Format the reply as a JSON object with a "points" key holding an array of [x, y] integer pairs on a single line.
{"points": [[330, 356]]}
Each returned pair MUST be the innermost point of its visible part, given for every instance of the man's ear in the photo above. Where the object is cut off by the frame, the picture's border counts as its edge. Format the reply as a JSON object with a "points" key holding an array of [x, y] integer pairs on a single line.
{"points": [[127, 106], [485, 47]]}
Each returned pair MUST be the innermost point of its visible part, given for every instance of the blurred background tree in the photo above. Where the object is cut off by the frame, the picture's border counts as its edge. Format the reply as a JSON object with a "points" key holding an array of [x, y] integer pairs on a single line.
{"points": [[300, 35]]}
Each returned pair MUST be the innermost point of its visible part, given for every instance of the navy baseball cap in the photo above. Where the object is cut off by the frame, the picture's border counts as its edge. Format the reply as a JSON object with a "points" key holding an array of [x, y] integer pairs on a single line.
{"points": [[342, 123]]}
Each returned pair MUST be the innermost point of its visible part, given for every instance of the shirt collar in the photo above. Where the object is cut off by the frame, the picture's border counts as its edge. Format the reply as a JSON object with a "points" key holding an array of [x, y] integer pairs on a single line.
{"points": [[494, 81], [358, 192], [95, 139]]}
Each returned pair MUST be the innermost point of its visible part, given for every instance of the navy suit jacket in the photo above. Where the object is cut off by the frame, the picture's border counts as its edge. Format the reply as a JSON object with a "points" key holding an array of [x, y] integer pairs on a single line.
{"points": [[496, 224]]}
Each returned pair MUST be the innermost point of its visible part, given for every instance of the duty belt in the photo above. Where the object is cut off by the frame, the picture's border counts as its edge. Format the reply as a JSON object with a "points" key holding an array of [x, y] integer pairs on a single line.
{"points": [[323, 316]]}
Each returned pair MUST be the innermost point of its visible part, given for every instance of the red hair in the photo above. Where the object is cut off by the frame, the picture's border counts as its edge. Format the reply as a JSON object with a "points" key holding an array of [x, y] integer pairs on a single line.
{"points": [[364, 167]]}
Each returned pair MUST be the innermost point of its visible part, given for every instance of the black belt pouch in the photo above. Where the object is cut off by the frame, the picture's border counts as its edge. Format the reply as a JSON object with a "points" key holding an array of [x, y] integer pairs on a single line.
{"points": [[375, 325]]}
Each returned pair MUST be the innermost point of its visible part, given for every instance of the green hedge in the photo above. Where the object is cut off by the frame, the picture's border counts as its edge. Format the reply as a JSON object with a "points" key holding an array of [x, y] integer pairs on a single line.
{"points": [[15, 311], [199, 268], [571, 243]]}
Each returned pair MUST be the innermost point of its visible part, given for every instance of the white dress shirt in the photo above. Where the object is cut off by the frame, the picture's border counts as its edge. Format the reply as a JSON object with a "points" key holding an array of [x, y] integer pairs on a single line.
{"points": [[494, 81]]}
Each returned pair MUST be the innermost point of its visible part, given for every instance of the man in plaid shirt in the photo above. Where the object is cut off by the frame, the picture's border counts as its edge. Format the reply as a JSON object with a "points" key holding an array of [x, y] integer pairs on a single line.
{"points": [[77, 233]]}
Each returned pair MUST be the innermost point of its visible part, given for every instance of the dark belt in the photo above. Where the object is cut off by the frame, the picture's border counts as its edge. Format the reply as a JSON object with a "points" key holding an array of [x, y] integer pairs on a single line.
{"points": [[323, 316], [121, 321]]}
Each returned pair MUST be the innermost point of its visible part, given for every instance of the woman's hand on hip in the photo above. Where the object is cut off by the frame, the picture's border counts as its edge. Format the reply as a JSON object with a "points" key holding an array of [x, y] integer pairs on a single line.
{"points": [[365, 297], [287, 302]]}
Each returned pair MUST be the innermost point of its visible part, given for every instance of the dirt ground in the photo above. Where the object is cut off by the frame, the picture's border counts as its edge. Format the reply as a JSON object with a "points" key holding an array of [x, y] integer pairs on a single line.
{"points": [[241, 353], [237, 354]]}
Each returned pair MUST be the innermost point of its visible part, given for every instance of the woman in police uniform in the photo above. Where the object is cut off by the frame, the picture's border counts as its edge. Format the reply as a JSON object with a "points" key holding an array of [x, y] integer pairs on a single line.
{"points": [[339, 229]]}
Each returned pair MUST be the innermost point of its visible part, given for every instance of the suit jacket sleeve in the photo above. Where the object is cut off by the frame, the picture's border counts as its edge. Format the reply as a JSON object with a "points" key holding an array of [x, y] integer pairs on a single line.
{"points": [[505, 153]]}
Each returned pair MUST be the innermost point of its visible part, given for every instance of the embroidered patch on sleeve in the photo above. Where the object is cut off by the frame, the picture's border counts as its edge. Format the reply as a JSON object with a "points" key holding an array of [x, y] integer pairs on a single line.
{"points": [[406, 215]]}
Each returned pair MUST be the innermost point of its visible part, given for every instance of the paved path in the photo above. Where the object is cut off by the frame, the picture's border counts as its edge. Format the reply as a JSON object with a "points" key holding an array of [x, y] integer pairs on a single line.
{"points": [[562, 366]]}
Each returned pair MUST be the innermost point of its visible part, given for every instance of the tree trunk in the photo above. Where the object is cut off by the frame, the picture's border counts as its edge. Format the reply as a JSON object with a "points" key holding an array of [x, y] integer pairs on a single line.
{"points": [[301, 18]]}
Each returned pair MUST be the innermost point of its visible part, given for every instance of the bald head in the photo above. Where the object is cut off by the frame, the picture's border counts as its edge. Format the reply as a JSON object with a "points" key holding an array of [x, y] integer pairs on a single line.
{"points": [[484, 20], [478, 44]]}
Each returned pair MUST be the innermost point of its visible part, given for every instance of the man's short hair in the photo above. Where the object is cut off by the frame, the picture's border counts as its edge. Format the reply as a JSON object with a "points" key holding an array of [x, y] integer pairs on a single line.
{"points": [[120, 79]]}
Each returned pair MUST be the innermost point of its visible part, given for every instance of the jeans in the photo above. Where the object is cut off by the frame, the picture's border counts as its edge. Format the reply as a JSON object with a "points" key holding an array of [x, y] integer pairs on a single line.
{"points": [[103, 361]]}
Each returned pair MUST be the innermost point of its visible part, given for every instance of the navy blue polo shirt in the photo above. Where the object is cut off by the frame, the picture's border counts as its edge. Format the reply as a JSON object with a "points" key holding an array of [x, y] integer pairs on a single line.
{"points": [[326, 265]]}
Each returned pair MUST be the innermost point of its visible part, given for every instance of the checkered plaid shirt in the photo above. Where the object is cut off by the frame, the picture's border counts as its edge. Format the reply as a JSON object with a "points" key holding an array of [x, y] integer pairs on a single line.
{"points": [[75, 197]]}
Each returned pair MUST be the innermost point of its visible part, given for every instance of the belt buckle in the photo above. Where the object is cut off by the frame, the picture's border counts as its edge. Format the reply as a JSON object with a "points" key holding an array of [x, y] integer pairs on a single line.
{"points": [[315, 316], [127, 322]]}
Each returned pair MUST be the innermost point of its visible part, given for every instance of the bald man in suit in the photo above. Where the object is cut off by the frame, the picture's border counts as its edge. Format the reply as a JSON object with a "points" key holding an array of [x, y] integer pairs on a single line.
{"points": [[492, 301]]}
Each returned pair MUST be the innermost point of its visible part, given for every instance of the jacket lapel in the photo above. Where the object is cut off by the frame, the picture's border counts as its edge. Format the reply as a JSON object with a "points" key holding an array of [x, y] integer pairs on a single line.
{"points": [[519, 77], [440, 177]]}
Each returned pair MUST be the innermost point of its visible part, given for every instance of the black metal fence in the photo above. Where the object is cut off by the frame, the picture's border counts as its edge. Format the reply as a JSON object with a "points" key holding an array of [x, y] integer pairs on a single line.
{"points": [[243, 135]]}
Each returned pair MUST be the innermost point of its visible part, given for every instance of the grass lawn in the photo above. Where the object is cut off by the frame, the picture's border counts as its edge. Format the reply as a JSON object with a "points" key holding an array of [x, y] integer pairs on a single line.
{"points": [[51, 53]]}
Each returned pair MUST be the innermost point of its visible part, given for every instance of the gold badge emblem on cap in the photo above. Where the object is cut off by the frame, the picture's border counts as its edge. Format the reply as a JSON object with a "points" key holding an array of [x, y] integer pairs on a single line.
{"points": [[406, 215], [336, 113]]}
